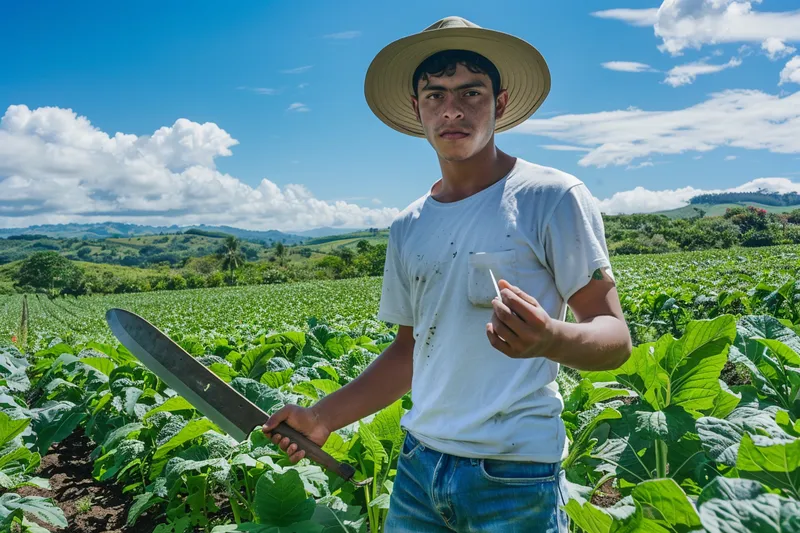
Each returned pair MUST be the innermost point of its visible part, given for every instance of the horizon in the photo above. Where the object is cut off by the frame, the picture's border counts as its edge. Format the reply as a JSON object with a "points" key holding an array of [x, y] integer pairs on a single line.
{"points": [[253, 116]]}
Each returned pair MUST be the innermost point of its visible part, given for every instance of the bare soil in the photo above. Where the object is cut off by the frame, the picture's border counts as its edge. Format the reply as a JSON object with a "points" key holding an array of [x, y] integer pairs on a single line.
{"points": [[69, 468], [606, 495]]}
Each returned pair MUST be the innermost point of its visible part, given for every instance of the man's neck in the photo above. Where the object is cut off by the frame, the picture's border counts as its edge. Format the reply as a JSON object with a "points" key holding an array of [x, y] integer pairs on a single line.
{"points": [[461, 179]]}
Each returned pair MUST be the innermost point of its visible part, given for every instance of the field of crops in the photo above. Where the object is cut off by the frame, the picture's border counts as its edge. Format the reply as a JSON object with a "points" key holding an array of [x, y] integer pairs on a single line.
{"points": [[698, 431]]}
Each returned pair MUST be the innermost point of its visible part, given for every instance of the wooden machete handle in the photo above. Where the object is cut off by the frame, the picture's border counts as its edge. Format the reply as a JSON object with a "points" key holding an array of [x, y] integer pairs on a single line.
{"points": [[314, 452]]}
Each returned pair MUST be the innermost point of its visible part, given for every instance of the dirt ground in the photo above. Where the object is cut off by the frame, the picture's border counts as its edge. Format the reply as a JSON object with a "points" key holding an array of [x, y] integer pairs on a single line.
{"points": [[68, 467]]}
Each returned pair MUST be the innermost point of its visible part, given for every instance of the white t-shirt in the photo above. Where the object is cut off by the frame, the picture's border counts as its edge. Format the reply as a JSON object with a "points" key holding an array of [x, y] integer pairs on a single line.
{"points": [[540, 229]]}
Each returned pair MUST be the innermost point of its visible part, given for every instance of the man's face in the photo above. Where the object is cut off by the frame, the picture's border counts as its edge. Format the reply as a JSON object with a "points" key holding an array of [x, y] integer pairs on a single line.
{"points": [[458, 112]]}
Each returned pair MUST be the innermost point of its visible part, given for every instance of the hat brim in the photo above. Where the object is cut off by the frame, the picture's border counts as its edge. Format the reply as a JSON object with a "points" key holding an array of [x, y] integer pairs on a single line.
{"points": [[523, 73]]}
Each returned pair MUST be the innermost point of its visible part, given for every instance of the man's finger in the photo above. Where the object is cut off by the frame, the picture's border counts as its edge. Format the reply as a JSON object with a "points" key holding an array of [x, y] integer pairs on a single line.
{"points": [[503, 329], [497, 342], [519, 292]]}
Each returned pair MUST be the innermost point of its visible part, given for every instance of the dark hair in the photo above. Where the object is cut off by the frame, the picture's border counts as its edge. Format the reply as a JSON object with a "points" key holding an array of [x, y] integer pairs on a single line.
{"points": [[445, 62]]}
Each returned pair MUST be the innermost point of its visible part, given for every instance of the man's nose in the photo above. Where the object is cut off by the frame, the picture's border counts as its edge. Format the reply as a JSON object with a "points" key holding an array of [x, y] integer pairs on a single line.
{"points": [[452, 109]]}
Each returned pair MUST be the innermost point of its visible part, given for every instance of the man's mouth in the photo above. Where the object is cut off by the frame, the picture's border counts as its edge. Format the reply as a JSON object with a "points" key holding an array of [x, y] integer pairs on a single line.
{"points": [[453, 134]]}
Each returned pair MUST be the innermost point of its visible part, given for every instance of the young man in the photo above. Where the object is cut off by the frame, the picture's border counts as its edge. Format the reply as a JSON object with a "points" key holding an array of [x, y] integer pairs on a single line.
{"points": [[485, 439]]}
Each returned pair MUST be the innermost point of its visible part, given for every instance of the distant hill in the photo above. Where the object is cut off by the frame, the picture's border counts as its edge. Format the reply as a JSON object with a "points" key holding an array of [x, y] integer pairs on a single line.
{"points": [[118, 229], [716, 210], [327, 232], [762, 196]]}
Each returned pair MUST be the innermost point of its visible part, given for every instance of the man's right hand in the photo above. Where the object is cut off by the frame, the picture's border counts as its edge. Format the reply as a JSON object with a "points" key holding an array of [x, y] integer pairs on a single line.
{"points": [[302, 419]]}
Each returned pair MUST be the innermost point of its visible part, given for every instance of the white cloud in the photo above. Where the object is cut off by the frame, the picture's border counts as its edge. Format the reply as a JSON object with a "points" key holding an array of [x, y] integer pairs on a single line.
{"points": [[343, 35], [641, 200], [298, 107], [628, 66], [791, 72], [730, 158], [634, 17], [775, 48], [56, 167], [748, 119], [686, 74], [298, 70], [565, 148], [260, 90], [640, 165], [685, 24]]}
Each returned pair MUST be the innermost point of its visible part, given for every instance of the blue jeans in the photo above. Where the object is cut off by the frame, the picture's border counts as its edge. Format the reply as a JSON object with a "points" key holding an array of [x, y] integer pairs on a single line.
{"points": [[436, 492]]}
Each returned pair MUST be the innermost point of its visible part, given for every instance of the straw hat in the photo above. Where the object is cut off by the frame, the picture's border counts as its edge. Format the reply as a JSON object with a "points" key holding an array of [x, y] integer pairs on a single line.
{"points": [[523, 72]]}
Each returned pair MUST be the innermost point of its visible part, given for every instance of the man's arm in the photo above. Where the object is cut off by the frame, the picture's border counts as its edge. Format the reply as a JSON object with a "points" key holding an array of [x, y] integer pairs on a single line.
{"points": [[600, 339], [383, 382]]}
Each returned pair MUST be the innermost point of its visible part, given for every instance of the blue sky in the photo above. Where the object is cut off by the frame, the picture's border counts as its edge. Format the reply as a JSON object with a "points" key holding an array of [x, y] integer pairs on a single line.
{"points": [[285, 81]]}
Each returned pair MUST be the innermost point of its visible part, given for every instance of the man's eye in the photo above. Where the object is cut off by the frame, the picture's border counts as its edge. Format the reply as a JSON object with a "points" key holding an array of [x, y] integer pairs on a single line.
{"points": [[472, 93], [434, 95]]}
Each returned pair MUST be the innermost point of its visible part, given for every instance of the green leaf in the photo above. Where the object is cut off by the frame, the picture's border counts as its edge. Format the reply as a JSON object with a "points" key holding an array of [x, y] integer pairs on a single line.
{"points": [[277, 379], [54, 422], [786, 355], [721, 438], [173, 405], [44, 509], [192, 430], [223, 371], [744, 506], [667, 425], [373, 449], [665, 507], [784, 422], [695, 361], [99, 363], [583, 439], [774, 463], [11, 428], [337, 517], [337, 447], [386, 425], [281, 500]]}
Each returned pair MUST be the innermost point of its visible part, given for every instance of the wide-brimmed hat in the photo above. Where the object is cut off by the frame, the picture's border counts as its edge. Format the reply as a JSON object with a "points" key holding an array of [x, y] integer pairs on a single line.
{"points": [[388, 86]]}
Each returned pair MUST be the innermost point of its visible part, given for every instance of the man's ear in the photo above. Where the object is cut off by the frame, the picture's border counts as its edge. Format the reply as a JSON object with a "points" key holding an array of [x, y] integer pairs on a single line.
{"points": [[415, 107], [500, 104]]}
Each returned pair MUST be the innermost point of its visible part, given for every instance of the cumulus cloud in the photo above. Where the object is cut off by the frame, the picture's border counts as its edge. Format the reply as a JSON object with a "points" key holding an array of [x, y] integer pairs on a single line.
{"points": [[685, 24], [686, 74], [748, 119], [56, 167], [298, 107], [641, 200], [565, 148], [628, 66], [775, 48], [791, 72]]}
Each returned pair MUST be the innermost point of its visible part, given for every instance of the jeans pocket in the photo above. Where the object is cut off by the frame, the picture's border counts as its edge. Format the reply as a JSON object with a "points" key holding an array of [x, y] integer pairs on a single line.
{"points": [[480, 289], [518, 473], [410, 446]]}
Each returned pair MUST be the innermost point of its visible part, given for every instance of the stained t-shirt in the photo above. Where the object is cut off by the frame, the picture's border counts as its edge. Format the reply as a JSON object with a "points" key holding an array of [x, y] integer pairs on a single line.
{"points": [[541, 230]]}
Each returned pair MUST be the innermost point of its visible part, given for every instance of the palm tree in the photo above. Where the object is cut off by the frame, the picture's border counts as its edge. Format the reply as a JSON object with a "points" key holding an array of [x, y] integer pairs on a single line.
{"points": [[280, 252], [231, 255]]}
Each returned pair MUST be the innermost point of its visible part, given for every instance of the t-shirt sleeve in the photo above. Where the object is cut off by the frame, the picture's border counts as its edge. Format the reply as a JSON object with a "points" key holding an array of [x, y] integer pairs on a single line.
{"points": [[395, 305], [575, 243]]}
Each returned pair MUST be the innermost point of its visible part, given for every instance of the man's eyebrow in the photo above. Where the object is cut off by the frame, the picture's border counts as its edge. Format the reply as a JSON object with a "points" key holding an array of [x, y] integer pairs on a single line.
{"points": [[461, 87]]}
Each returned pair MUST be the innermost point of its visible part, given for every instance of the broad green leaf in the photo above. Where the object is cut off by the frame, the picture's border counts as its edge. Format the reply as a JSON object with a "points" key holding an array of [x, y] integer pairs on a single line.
{"points": [[223, 371], [173, 405], [190, 431], [281, 500], [44, 509], [141, 503], [667, 425], [665, 507], [254, 361], [785, 423], [386, 425], [99, 363], [11, 428], [721, 438], [744, 506], [337, 517], [121, 433], [339, 345], [277, 379], [337, 447], [786, 355], [373, 449], [772, 462], [695, 361], [53, 422]]}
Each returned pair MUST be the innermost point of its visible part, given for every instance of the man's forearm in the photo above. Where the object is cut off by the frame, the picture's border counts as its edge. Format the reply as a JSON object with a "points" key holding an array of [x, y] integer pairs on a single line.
{"points": [[385, 380], [602, 343]]}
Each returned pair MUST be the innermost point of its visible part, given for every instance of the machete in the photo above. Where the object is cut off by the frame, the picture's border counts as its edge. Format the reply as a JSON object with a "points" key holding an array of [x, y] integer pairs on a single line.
{"points": [[202, 388]]}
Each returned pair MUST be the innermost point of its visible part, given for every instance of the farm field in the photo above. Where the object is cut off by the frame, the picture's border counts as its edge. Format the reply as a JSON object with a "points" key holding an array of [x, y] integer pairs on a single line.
{"points": [[698, 431]]}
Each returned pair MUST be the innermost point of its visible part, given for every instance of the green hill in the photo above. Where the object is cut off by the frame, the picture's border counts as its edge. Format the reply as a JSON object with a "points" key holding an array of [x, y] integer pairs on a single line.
{"points": [[715, 210]]}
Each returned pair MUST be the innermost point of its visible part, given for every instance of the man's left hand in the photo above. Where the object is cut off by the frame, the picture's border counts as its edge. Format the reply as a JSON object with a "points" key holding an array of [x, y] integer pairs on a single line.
{"points": [[520, 327]]}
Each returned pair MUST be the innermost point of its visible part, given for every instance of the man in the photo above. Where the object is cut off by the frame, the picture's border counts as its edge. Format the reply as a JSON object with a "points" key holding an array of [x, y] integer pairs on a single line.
{"points": [[485, 439]]}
